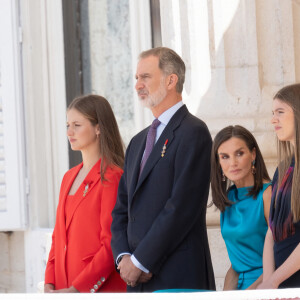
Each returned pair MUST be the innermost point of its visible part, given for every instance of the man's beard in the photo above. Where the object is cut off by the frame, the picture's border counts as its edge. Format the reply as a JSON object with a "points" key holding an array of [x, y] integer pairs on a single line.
{"points": [[156, 98]]}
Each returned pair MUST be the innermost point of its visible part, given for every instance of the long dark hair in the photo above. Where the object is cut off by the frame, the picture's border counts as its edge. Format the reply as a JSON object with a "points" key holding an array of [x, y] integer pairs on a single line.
{"points": [[219, 187], [291, 96], [98, 111]]}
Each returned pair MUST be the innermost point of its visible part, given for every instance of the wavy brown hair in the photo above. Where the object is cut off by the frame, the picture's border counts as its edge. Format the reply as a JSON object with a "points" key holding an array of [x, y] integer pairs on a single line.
{"points": [[98, 111], [218, 187], [286, 151]]}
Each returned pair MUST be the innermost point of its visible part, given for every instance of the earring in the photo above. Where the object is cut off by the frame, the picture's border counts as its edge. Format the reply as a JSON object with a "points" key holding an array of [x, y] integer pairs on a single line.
{"points": [[97, 135], [253, 169], [223, 176]]}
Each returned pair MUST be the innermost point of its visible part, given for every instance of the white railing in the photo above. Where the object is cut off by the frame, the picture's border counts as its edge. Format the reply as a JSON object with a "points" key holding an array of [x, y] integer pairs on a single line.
{"points": [[228, 295]]}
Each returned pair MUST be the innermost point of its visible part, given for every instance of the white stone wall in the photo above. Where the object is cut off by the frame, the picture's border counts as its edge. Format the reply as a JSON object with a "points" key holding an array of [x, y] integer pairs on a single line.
{"points": [[12, 260]]}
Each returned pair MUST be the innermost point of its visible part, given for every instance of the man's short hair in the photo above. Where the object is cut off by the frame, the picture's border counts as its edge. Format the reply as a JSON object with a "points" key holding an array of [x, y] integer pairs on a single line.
{"points": [[169, 62]]}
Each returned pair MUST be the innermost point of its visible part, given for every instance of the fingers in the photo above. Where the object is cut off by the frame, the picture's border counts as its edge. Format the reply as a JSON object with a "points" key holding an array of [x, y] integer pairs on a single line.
{"points": [[48, 287], [129, 272], [132, 284], [145, 277]]}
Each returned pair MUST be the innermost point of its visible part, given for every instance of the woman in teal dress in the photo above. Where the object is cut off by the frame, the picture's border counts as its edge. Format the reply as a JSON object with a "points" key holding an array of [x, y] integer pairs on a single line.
{"points": [[241, 191]]}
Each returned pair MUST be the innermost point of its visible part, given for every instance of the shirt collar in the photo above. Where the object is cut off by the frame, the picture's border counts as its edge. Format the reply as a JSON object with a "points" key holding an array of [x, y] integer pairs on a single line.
{"points": [[166, 116]]}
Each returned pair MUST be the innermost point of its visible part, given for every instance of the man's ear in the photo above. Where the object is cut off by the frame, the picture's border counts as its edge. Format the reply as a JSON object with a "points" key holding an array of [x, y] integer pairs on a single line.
{"points": [[172, 81]]}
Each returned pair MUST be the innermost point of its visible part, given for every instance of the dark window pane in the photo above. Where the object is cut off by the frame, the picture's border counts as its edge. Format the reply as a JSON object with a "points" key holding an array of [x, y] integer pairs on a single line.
{"points": [[155, 23]]}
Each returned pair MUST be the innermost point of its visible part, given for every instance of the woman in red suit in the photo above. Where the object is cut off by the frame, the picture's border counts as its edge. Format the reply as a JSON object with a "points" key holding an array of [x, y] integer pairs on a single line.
{"points": [[80, 259]]}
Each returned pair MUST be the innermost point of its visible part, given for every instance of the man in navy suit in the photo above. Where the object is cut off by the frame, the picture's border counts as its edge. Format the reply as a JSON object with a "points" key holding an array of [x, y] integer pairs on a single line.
{"points": [[159, 237]]}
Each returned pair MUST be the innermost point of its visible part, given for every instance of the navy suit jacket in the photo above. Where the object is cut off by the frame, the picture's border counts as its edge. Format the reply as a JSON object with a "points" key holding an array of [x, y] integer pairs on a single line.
{"points": [[161, 216]]}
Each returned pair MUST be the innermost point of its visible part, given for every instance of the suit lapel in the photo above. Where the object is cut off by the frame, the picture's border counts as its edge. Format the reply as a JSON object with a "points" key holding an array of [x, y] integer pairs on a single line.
{"points": [[167, 134], [137, 163], [91, 181]]}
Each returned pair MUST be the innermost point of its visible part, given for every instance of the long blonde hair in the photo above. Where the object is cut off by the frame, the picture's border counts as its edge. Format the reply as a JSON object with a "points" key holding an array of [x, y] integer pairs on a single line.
{"points": [[286, 151]]}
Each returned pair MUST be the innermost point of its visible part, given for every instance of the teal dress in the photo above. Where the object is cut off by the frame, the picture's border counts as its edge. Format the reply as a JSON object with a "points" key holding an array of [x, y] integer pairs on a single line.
{"points": [[243, 227]]}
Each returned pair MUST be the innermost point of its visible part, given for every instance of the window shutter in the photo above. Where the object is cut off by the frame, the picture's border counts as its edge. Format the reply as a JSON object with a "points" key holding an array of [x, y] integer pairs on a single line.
{"points": [[12, 146]]}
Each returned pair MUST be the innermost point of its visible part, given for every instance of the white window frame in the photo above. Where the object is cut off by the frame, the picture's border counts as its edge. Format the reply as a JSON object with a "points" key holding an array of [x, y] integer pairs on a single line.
{"points": [[15, 216], [43, 69]]}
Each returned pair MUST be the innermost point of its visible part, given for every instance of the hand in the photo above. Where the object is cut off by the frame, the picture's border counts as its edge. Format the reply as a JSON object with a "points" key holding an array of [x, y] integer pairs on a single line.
{"points": [[145, 277], [128, 271], [256, 283], [48, 287], [71, 289], [268, 284]]}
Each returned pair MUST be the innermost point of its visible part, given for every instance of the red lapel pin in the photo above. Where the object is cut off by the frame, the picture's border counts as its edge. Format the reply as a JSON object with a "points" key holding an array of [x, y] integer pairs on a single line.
{"points": [[164, 148]]}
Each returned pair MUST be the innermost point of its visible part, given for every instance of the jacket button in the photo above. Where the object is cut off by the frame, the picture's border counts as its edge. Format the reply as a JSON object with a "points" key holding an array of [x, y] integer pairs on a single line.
{"points": [[65, 247], [102, 279], [99, 282], [96, 286], [92, 290]]}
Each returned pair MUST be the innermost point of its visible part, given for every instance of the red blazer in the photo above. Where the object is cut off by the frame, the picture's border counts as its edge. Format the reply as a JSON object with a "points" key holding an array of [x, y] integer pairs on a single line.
{"points": [[81, 254]]}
